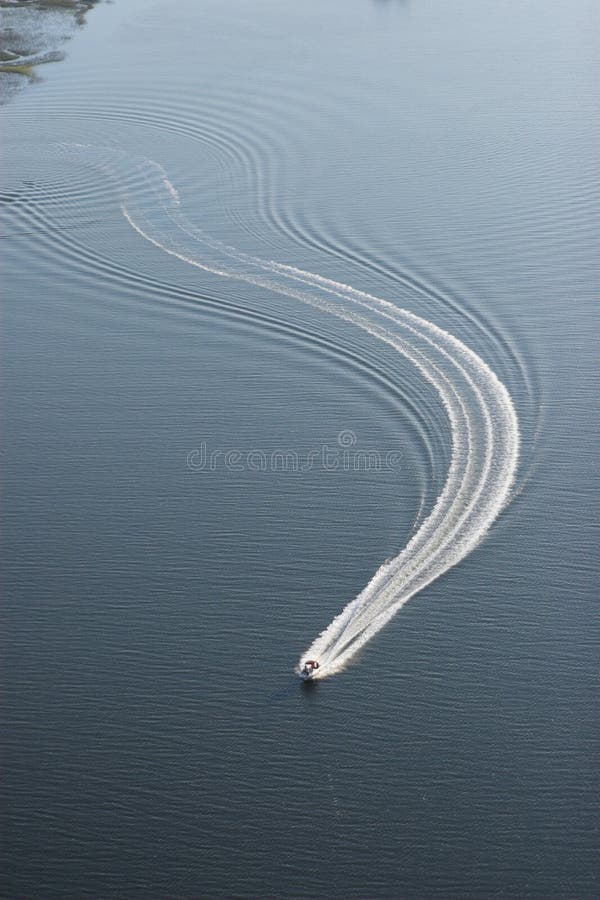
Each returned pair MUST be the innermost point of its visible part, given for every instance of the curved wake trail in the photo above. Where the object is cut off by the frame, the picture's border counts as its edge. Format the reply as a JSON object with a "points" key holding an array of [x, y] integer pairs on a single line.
{"points": [[483, 422]]}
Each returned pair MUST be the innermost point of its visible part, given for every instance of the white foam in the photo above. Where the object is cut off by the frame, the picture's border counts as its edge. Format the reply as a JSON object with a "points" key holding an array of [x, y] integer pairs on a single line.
{"points": [[483, 423]]}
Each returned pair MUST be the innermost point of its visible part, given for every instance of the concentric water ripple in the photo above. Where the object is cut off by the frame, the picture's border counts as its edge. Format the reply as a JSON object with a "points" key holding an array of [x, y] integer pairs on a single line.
{"points": [[483, 422]]}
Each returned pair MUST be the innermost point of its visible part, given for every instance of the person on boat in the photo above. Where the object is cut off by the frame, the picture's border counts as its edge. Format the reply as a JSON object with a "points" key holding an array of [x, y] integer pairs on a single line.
{"points": [[310, 666]]}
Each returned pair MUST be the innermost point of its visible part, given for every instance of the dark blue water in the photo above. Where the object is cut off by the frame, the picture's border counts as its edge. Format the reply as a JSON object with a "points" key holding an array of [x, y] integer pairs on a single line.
{"points": [[158, 593]]}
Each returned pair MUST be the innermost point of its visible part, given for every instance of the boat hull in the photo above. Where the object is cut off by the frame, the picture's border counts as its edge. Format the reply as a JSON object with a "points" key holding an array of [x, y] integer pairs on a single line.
{"points": [[309, 670]]}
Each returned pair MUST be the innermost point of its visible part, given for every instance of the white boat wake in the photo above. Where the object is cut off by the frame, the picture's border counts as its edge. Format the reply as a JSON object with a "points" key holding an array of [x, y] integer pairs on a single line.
{"points": [[483, 423]]}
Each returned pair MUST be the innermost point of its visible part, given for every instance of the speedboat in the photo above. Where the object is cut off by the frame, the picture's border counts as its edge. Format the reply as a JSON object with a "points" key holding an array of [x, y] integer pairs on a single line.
{"points": [[308, 669]]}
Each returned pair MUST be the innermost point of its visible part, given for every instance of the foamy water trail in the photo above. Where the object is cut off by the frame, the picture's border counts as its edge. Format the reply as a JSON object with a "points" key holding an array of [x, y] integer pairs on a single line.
{"points": [[483, 423]]}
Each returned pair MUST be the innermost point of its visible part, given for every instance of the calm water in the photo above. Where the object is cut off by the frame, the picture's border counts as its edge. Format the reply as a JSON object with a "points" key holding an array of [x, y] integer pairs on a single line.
{"points": [[157, 596]]}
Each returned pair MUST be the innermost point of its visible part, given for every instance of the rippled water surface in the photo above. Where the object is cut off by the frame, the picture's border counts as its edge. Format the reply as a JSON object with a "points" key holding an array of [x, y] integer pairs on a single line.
{"points": [[202, 467]]}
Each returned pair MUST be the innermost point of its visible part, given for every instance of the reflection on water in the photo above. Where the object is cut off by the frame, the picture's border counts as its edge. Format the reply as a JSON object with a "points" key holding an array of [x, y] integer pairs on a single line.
{"points": [[32, 33]]}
